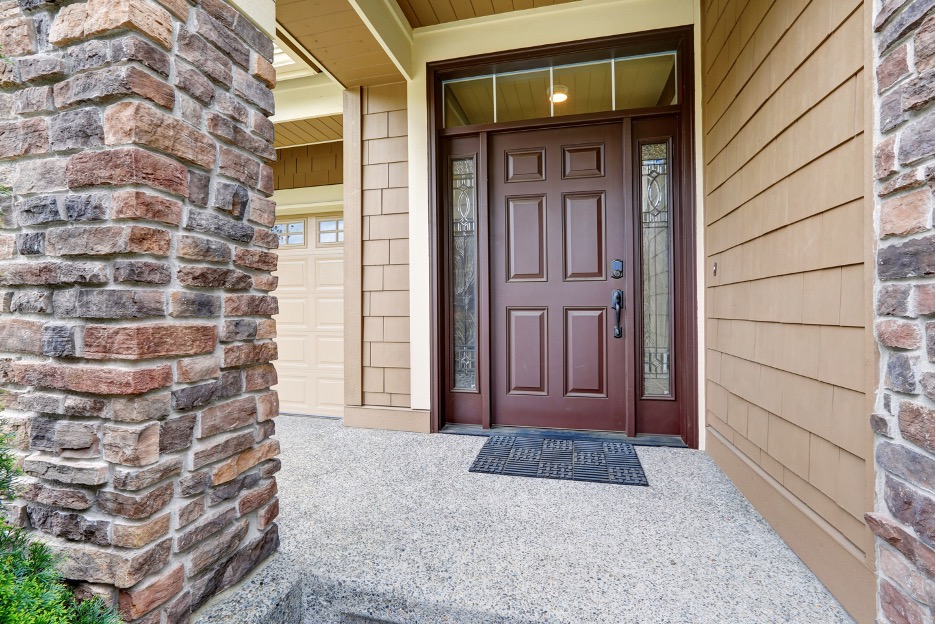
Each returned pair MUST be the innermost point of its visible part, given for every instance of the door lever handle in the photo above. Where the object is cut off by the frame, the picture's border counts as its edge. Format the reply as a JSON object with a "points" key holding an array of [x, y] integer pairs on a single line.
{"points": [[617, 304]]}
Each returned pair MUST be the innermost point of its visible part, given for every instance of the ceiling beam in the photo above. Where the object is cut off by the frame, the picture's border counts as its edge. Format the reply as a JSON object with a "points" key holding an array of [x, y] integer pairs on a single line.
{"points": [[389, 26], [315, 96]]}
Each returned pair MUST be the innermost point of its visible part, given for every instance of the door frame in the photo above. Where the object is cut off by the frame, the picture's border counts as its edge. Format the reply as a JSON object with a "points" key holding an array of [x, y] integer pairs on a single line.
{"points": [[679, 39]]}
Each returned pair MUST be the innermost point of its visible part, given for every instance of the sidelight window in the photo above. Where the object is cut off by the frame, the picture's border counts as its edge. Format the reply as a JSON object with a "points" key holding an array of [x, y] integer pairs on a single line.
{"points": [[591, 87], [656, 269], [464, 273]]}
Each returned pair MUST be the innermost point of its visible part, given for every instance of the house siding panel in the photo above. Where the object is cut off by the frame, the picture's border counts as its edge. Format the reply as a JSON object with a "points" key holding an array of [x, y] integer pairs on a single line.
{"points": [[308, 165], [385, 239], [785, 219]]}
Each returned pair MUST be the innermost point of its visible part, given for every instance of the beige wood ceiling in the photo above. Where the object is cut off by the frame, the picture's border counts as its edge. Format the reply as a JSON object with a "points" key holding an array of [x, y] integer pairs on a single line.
{"points": [[338, 39], [306, 131], [430, 12]]}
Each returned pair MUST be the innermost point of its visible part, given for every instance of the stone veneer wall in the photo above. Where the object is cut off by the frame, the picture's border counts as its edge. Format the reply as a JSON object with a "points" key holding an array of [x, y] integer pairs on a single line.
{"points": [[904, 300], [136, 266]]}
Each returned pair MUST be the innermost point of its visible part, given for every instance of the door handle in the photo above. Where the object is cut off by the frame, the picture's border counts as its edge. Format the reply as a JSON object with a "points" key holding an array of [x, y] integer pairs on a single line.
{"points": [[617, 304]]}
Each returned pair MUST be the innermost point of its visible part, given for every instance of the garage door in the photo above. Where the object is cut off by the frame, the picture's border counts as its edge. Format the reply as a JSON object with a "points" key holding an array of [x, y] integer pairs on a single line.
{"points": [[310, 323]]}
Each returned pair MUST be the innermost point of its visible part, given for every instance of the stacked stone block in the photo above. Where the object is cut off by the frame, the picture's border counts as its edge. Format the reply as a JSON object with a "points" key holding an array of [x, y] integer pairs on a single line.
{"points": [[135, 266], [904, 305]]}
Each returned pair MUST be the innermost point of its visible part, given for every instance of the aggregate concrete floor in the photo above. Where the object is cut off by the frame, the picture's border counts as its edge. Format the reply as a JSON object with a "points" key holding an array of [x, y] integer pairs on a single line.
{"points": [[392, 527]]}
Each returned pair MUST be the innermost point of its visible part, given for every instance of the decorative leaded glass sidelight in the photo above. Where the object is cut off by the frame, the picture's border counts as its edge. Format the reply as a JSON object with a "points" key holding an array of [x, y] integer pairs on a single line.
{"points": [[464, 274], [656, 268]]}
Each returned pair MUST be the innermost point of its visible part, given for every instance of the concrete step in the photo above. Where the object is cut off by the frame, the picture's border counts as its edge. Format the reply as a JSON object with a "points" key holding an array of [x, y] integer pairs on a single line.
{"points": [[280, 592], [351, 601]]}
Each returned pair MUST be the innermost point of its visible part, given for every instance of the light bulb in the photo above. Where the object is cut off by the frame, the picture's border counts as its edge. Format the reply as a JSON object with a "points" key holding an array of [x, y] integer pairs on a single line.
{"points": [[558, 94]]}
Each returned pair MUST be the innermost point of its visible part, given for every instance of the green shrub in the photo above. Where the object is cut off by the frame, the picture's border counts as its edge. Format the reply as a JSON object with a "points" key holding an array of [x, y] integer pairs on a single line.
{"points": [[31, 590]]}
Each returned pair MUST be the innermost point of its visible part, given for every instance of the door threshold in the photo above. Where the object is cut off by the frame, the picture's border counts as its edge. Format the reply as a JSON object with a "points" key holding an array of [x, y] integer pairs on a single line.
{"points": [[670, 441]]}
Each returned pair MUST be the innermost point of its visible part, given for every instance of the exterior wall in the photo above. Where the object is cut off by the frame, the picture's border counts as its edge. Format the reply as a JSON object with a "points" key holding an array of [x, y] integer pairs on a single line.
{"points": [[377, 350], [785, 222], [308, 165], [136, 259], [385, 250], [904, 301]]}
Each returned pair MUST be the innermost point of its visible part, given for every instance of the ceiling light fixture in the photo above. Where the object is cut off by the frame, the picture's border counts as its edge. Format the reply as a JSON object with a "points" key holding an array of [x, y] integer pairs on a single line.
{"points": [[558, 94]]}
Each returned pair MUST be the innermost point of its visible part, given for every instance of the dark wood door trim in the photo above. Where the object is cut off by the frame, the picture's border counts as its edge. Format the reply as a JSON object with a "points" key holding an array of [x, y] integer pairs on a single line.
{"points": [[679, 39], [630, 335]]}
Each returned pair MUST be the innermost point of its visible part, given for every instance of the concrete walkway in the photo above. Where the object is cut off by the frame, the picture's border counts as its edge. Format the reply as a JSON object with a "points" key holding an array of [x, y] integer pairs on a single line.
{"points": [[392, 527]]}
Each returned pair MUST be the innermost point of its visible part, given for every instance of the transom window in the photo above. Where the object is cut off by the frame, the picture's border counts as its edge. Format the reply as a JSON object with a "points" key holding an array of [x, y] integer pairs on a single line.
{"points": [[291, 233], [644, 81], [330, 231]]}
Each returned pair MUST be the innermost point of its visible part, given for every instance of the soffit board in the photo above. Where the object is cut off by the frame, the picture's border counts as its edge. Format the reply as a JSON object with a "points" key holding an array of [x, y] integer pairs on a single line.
{"points": [[307, 131], [421, 13], [338, 39]]}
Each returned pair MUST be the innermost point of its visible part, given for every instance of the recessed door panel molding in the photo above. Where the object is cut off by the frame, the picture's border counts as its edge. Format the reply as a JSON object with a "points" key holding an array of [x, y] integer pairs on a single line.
{"points": [[586, 361], [293, 274], [310, 324], [329, 273], [329, 352], [329, 313], [583, 236], [526, 239], [527, 351], [526, 165], [292, 311], [583, 161], [291, 352], [329, 394], [292, 389]]}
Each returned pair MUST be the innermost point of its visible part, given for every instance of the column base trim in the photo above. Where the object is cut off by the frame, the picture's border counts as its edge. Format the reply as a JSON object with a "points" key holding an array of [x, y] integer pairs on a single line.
{"points": [[391, 418]]}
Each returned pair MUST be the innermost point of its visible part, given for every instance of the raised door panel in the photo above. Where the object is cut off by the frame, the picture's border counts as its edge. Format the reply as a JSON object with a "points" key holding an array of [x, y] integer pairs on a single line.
{"points": [[526, 165], [292, 312], [291, 348], [329, 273], [329, 394], [329, 313], [585, 341], [583, 236], [583, 161], [526, 238], [527, 351], [329, 352], [292, 274]]}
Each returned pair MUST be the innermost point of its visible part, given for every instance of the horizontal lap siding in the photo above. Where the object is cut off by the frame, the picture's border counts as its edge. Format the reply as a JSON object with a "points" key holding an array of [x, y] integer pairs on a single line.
{"points": [[319, 164], [784, 175]]}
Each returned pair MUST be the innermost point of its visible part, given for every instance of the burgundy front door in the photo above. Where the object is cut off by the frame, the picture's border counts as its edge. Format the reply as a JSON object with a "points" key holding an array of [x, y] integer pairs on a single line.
{"points": [[561, 340]]}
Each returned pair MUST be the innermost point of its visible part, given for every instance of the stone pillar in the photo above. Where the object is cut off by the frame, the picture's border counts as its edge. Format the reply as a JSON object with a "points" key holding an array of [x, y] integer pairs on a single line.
{"points": [[135, 263], [904, 302]]}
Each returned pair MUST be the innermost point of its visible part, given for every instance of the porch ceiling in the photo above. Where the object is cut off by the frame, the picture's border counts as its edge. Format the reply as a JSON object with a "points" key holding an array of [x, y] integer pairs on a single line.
{"points": [[367, 42], [306, 131], [336, 36], [430, 12]]}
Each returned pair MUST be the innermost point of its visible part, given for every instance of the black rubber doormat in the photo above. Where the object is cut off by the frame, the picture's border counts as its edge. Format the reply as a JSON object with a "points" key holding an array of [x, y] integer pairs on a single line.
{"points": [[548, 458]]}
